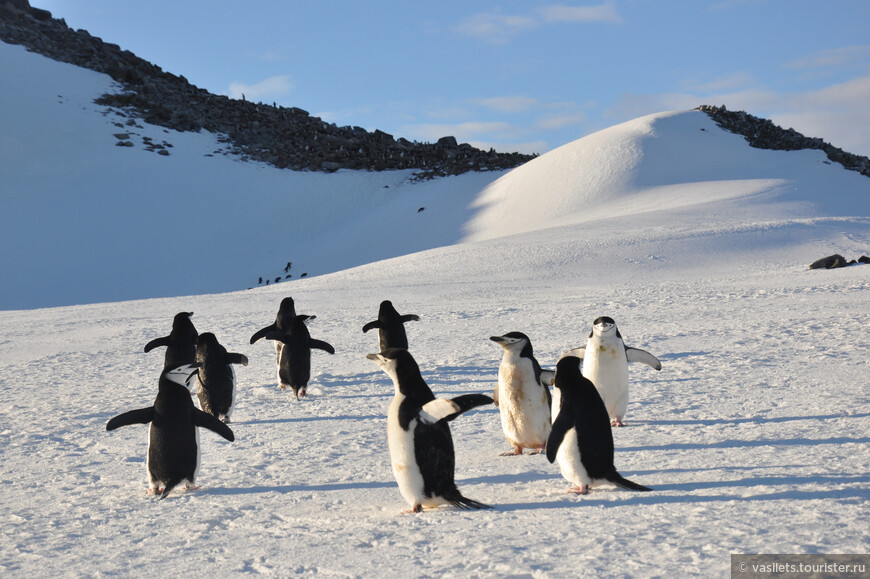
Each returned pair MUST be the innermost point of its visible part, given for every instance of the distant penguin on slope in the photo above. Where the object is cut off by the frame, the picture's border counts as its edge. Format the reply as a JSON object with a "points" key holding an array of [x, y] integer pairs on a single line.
{"points": [[180, 343], [421, 447], [391, 326], [522, 395], [294, 366], [581, 440], [173, 438], [605, 362], [216, 380]]}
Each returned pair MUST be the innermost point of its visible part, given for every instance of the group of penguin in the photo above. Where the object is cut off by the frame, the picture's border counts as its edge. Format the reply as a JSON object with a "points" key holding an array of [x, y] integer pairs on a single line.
{"points": [[572, 426]]}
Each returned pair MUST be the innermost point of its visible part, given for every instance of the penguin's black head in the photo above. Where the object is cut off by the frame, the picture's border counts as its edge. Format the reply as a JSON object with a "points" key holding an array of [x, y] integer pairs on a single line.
{"points": [[515, 341], [603, 325], [399, 365], [387, 310], [286, 311], [204, 343], [182, 326], [568, 372]]}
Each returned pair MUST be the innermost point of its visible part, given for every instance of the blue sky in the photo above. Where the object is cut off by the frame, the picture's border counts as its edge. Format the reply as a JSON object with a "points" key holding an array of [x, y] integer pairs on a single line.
{"points": [[516, 75]]}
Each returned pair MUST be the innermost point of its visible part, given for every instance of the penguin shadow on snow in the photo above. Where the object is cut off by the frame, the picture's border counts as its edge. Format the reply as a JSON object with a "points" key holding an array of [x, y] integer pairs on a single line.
{"points": [[287, 489], [748, 420]]}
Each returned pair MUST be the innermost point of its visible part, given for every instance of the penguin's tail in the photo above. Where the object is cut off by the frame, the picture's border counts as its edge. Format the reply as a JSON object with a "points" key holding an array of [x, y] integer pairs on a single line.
{"points": [[169, 486], [618, 480], [461, 502]]}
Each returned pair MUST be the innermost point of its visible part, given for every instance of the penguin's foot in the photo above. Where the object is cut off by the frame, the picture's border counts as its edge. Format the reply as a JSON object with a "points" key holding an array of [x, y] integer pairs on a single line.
{"points": [[579, 490], [191, 487], [518, 450], [539, 450], [418, 508], [617, 422], [155, 491]]}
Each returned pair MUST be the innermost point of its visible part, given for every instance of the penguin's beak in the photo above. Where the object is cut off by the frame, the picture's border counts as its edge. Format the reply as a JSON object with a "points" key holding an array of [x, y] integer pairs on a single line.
{"points": [[504, 341]]}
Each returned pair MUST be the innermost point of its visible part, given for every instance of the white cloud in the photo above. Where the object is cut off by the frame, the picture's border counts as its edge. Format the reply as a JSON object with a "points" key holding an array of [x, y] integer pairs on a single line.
{"points": [[501, 28], [495, 28], [508, 104], [560, 13], [836, 57], [271, 87]]}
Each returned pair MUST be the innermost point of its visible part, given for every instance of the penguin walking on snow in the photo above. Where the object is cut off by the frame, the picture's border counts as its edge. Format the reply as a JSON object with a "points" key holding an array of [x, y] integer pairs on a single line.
{"points": [[581, 440], [605, 362], [294, 366], [391, 326], [522, 395], [421, 447], [173, 438], [286, 313], [180, 343], [216, 380]]}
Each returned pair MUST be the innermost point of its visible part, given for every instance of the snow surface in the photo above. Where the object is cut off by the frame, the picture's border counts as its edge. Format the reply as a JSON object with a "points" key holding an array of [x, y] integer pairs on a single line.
{"points": [[754, 435]]}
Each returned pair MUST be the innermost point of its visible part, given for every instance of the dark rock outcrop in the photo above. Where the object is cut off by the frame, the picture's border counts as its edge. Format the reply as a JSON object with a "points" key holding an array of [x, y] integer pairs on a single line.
{"points": [[763, 134], [284, 137]]}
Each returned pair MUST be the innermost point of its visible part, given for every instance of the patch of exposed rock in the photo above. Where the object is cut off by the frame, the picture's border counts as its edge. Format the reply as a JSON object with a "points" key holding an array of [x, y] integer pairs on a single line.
{"points": [[763, 134], [284, 137]]}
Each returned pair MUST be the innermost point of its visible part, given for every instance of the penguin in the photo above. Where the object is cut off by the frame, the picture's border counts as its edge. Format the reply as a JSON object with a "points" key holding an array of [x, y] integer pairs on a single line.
{"points": [[180, 343], [522, 395], [605, 362], [173, 438], [216, 380], [286, 313], [294, 366], [391, 326], [421, 447], [581, 439]]}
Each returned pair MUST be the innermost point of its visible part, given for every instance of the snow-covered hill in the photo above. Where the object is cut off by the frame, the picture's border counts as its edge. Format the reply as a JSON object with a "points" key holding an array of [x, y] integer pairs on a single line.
{"points": [[753, 435]]}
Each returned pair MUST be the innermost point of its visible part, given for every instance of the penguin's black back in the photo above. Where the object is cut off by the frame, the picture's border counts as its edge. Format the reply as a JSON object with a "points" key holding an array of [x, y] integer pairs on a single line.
{"points": [[172, 449], [215, 376], [590, 418]]}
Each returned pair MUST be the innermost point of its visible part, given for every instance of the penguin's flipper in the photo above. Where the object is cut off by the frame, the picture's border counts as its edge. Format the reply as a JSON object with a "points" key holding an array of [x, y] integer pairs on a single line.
{"points": [[409, 318], [560, 428], [548, 377], [371, 326], [139, 416], [233, 358], [277, 336], [618, 480], [262, 333], [321, 345], [642, 356], [446, 410], [156, 343], [576, 352], [205, 420]]}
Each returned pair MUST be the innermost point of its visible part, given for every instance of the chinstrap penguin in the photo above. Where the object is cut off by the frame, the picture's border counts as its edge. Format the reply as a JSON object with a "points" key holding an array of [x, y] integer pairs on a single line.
{"points": [[294, 366], [522, 395], [180, 343], [391, 326], [421, 447], [216, 379], [581, 439], [605, 362], [173, 437]]}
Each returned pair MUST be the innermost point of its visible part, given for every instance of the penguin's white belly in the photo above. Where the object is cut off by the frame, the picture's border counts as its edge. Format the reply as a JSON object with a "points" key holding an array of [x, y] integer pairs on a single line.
{"points": [[568, 457], [403, 457], [606, 366], [525, 414]]}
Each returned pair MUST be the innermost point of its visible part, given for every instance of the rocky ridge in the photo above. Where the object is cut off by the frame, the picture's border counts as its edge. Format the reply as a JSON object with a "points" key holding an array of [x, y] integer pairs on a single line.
{"points": [[287, 138], [763, 134]]}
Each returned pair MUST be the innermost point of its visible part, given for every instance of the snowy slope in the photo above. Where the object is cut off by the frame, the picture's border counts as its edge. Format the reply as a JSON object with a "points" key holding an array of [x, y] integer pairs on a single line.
{"points": [[754, 436]]}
